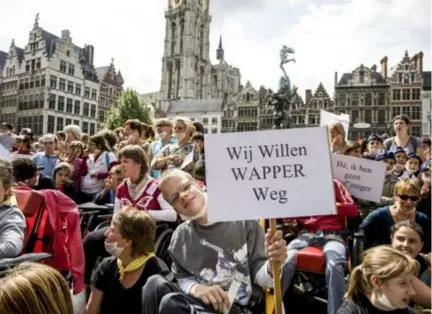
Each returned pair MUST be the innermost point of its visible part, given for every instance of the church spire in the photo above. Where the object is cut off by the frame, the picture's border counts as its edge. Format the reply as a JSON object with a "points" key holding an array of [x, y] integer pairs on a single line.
{"points": [[220, 51], [36, 23]]}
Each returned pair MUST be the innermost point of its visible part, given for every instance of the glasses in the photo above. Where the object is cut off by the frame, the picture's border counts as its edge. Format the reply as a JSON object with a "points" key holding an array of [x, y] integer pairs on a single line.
{"points": [[406, 197]]}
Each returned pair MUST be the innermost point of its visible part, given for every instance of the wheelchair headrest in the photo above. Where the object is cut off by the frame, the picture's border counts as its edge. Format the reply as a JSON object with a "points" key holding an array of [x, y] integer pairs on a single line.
{"points": [[28, 200]]}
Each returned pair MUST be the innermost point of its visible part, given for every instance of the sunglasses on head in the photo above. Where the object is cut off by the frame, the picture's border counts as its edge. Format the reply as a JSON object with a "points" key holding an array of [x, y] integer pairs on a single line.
{"points": [[406, 197]]}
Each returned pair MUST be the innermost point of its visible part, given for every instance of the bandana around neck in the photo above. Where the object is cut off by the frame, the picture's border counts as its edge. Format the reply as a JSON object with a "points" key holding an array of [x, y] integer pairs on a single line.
{"points": [[134, 265]]}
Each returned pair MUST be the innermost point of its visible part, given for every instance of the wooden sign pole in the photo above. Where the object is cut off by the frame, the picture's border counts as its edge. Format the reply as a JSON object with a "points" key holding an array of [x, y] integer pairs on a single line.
{"points": [[276, 267]]}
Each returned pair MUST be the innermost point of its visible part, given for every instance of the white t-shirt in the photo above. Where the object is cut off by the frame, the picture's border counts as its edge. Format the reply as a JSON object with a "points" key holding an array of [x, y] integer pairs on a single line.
{"points": [[94, 185]]}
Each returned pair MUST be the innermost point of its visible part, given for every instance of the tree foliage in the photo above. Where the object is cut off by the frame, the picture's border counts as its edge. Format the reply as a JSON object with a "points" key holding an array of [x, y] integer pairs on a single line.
{"points": [[128, 107]]}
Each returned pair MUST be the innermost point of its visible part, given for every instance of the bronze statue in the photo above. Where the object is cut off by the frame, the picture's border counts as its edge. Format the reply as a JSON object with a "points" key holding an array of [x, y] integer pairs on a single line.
{"points": [[281, 100]]}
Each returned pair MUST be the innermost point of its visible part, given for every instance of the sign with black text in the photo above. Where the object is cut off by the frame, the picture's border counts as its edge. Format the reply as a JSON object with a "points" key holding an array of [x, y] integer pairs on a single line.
{"points": [[269, 174], [363, 178]]}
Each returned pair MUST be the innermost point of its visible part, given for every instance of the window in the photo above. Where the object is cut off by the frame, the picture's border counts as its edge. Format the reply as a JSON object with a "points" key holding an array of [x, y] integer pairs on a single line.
{"points": [[70, 87], [354, 99], [63, 66], [205, 120], [42, 82], [416, 131], [214, 130], [362, 77], [368, 99], [405, 94], [68, 121], [368, 116], [26, 83], [51, 121], [53, 82], [86, 110], [71, 70], [381, 116], [92, 128], [60, 103], [27, 67], [214, 120], [76, 122], [77, 107], [406, 78], [381, 99], [396, 94], [415, 94], [87, 92], [354, 115], [93, 111], [396, 111], [38, 63], [406, 110], [32, 83], [78, 89], [36, 81], [59, 124], [85, 127], [415, 113], [51, 102], [94, 93], [69, 106], [62, 84]]}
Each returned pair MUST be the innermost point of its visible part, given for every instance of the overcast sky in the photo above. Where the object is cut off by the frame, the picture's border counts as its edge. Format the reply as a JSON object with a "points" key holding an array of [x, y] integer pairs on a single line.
{"points": [[328, 35]]}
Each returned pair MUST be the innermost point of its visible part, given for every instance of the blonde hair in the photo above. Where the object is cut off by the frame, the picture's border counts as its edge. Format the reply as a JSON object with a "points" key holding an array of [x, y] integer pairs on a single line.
{"points": [[174, 173], [190, 128], [407, 186], [138, 227], [383, 262], [35, 288]]}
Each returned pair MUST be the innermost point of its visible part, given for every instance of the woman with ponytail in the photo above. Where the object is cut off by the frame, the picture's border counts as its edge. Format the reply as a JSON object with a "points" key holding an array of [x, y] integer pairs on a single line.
{"points": [[382, 284]]}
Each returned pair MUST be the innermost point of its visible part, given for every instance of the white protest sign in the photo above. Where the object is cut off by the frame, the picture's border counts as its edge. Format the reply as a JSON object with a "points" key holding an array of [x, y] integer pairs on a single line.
{"points": [[363, 178], [327, 118], [4, 153], [269, 174]]}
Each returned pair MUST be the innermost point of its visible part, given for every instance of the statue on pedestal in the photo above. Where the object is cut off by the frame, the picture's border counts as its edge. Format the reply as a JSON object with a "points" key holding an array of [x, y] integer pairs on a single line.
{"points": [[281, 100]]}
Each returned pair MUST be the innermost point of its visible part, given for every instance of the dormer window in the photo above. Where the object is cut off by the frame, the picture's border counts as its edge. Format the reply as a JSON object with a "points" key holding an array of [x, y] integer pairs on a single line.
{"points": [[248, 97], [362, 76], [406, 78]]}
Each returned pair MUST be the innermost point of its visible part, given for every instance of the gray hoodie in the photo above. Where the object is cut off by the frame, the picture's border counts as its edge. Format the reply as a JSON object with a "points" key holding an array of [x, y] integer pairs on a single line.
{"points": [[12, 227]]}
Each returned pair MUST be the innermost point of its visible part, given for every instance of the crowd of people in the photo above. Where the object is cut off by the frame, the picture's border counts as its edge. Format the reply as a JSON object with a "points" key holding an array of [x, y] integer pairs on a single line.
{"points": [[153, 174]]}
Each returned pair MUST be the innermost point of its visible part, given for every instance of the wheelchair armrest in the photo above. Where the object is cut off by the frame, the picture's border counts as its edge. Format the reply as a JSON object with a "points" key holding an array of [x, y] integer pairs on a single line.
{"points": [[359, 234], [89, 213], [105, 216], [31, 257]]}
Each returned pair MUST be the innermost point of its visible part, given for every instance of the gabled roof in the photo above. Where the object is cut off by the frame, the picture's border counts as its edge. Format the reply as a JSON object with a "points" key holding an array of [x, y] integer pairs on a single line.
{"points": [[321, 89], [101, 72], [50, 42], [379, 79], [194, 105], [426, 83], [3, 56]]}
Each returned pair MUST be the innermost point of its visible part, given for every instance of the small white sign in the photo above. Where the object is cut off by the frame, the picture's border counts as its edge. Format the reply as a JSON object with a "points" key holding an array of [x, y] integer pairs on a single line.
{"points": [[363, 178], [269, 174], [327, 118]]}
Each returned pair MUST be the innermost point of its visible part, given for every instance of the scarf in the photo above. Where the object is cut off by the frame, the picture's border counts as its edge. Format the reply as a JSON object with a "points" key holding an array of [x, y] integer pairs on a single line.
{"points": [[134, 188], [134, 265]]}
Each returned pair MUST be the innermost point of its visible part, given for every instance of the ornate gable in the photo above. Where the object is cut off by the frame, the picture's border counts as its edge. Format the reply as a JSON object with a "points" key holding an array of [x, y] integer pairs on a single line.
{"points": [[408, 70], [321, 92]]}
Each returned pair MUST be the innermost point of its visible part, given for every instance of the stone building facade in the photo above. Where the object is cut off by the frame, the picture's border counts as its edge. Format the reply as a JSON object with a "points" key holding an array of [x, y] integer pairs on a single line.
{"points": [[49, 84], [405, 86], [110, 87], [426, 97], [187, 72], [364, 95]]}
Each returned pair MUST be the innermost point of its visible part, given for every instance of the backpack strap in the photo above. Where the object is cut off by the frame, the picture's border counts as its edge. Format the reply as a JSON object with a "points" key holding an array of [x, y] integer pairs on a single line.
{"points": [[107, 160], [33, 237]]}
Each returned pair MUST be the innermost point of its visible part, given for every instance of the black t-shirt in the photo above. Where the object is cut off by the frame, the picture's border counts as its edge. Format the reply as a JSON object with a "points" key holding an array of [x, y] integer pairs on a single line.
{"points": [[116, 298], [361, 305]]}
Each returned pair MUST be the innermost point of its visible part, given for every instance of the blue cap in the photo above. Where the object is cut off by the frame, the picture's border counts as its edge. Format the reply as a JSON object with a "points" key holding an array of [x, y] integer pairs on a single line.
{"points": [[374, 137], [398, 150], [385, 156], [415, 156]]}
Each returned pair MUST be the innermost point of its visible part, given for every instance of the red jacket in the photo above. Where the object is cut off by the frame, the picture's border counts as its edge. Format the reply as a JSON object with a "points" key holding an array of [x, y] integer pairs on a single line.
{"points": [[63, 217], [345, 208]]}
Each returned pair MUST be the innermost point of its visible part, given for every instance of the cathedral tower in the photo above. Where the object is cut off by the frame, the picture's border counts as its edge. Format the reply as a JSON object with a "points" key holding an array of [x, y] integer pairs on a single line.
{"points": [[186, 66]]}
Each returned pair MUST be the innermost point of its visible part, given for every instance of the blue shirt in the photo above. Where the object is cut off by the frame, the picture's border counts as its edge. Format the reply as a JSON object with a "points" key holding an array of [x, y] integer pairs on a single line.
{"points": [[156, 147], [42, 160]]}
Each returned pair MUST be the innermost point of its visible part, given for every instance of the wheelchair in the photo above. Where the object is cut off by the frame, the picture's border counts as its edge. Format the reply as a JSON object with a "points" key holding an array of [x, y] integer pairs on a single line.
{"points": [[308, 284], [9, 263]]}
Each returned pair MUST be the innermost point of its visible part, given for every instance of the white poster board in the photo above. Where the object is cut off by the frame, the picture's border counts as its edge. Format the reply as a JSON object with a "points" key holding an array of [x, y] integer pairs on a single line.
{"points": [[327, 118], [269, 174], [4, 153], [363, 178]]}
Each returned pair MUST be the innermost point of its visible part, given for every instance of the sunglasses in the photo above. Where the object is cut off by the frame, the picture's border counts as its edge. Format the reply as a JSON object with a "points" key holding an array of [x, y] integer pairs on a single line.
{"points": [[406, 197]]}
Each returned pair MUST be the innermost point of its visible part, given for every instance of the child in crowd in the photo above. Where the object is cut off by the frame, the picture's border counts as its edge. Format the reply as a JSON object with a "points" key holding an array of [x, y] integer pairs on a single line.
{"points": [[61, 175], [401, 159], [107, 195], [412, 166]]}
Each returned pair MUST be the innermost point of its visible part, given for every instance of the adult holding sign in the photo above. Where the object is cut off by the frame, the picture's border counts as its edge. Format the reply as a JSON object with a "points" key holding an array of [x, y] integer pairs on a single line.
{"points": [[327, 118], [237, 256]]}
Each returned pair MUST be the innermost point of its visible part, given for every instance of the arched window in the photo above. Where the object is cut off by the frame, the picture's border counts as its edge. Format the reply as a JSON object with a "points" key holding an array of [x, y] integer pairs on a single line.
{"points": [[202, 41], [181, 34], [173, 38]]}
